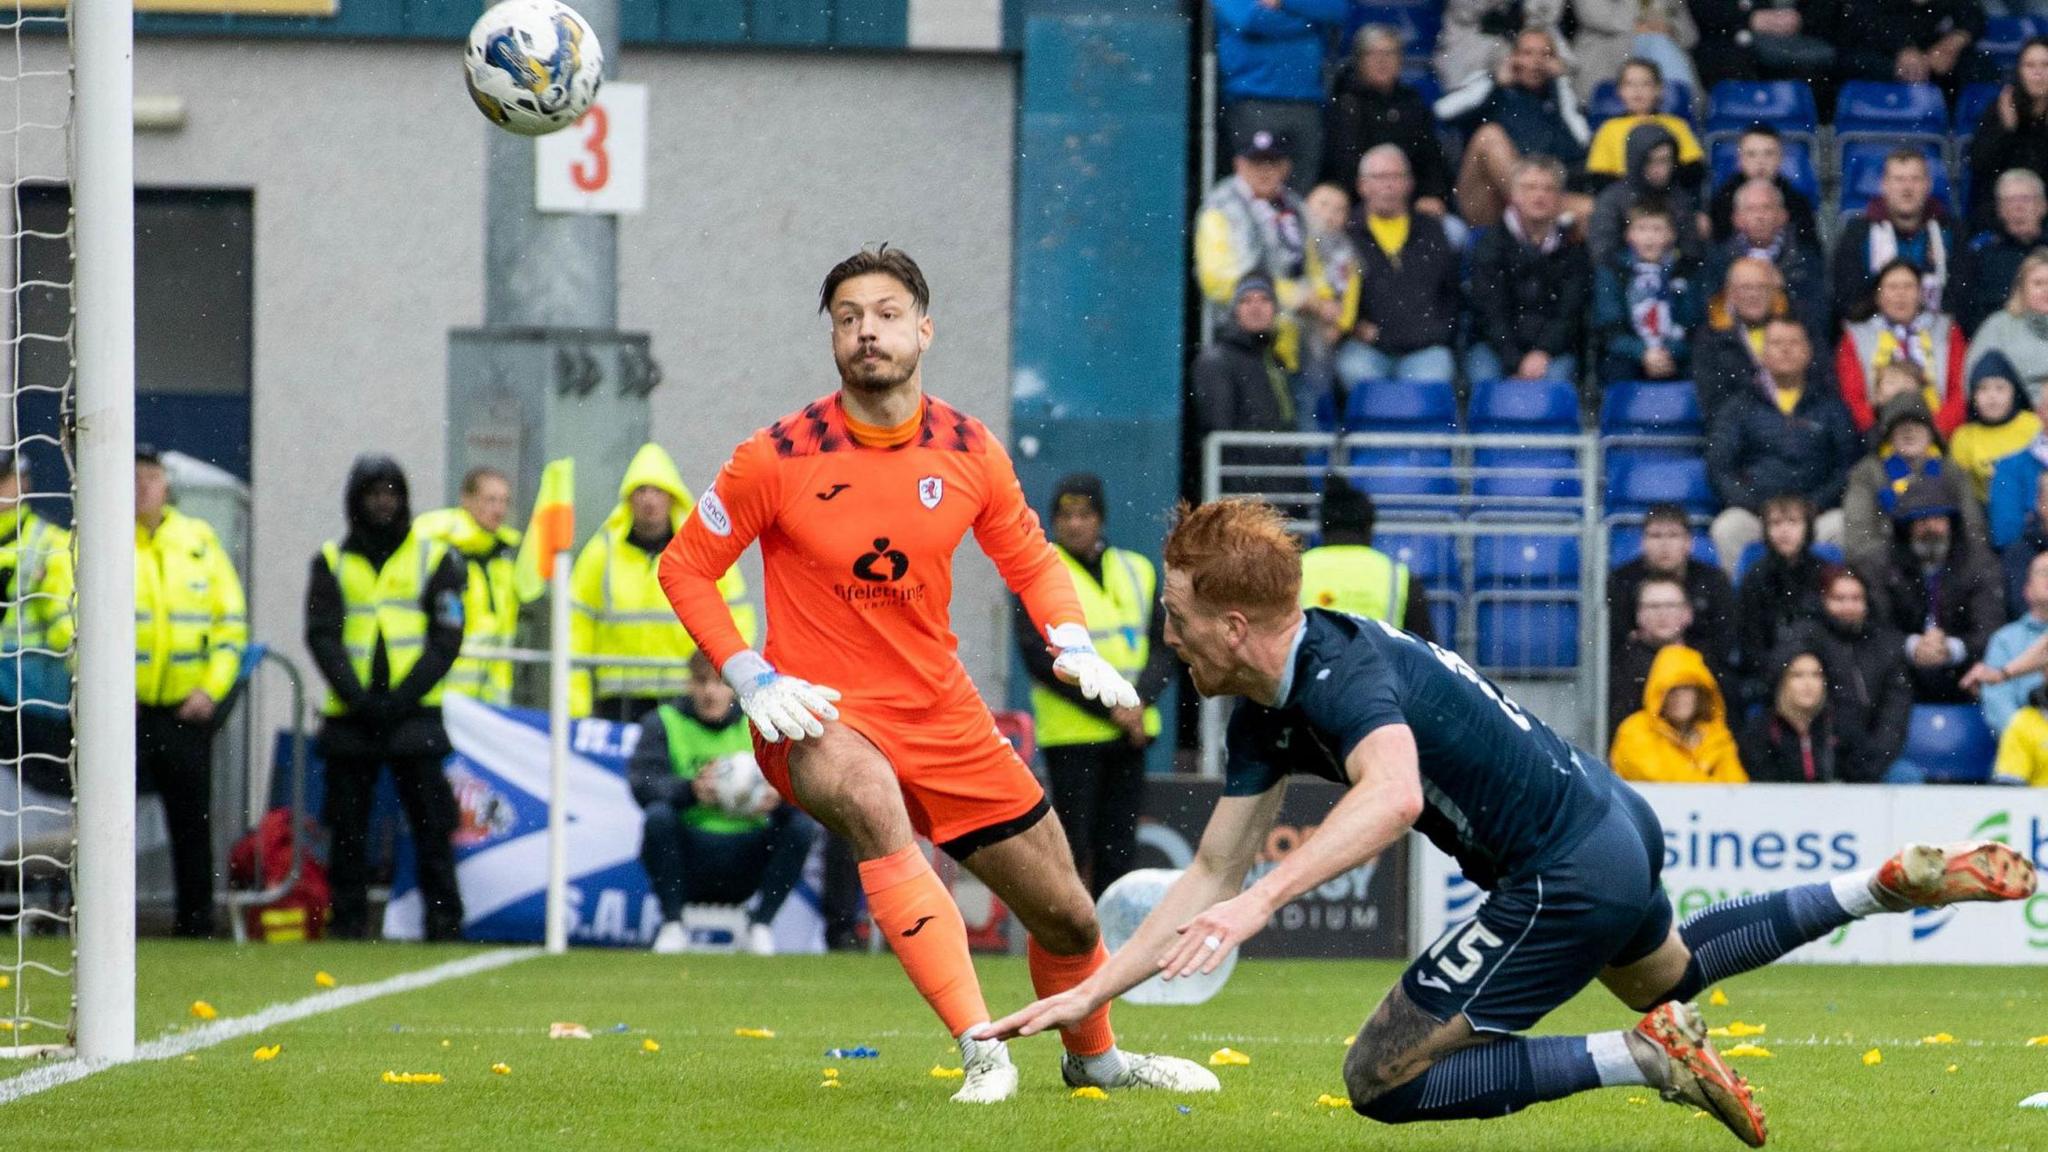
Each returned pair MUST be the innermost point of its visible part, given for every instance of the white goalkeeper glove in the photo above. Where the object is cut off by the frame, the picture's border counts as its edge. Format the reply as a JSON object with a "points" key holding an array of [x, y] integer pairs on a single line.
{"points": [[779, 706], [1078, 664]]}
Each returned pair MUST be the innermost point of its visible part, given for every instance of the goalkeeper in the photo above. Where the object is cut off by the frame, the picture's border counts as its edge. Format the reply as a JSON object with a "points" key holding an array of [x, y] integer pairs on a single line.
{"points": [[696, 851]]}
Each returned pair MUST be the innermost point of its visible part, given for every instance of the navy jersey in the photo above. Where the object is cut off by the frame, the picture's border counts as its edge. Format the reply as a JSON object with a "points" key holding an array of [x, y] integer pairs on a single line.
{"points": [[1500, 790]]}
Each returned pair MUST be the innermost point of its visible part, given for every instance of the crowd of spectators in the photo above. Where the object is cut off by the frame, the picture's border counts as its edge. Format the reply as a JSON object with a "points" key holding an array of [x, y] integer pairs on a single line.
{"points": [[1523, 193]]}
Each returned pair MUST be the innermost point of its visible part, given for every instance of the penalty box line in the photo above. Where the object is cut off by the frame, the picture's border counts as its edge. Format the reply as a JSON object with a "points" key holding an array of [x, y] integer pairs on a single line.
{"points": [[176, 1044]]}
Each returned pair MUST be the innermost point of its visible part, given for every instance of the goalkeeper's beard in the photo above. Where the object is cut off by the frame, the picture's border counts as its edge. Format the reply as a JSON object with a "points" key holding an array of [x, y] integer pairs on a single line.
{"points": [[883, 373]]}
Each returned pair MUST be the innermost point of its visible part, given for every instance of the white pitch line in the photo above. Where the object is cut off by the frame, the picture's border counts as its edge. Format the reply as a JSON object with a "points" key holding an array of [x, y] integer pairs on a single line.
{"points": [[172, 1045]]}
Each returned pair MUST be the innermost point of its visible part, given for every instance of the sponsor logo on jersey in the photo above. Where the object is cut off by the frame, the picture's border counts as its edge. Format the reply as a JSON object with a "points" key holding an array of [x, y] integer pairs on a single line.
{"points": [[711, 510], [883, 565], [835, 490], [930, 491]]}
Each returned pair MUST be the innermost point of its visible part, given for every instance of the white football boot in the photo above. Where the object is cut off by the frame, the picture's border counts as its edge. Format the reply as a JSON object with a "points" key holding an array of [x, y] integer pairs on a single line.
{"points": [[672, 939], [760, 940], [991, 1078], [1143, 1070]]}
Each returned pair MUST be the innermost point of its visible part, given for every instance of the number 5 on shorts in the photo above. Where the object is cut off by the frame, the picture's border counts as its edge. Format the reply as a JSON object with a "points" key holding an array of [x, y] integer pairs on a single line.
{"points": [[1470, 939]]}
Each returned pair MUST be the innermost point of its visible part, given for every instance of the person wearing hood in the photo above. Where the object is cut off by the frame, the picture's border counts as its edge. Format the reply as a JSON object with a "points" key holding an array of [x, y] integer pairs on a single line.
{"points": [[384, 622], [1988, 265], [1780, 594], [1345, 573], [1898, 325], [619, 607], [1681, 734], [476, 529], [1094, 753], [1902, 222], [1371, 106], [1652, 174], [1869, 692], [2020, 329], [1907, 448], [2015, 481], [1237, 382], [2000, 424], [1647, 303], [1942, 592], [1792, 739]]}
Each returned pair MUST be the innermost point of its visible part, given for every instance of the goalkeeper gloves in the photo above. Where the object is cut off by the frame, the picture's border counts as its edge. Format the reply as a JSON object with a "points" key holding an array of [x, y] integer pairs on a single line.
{"points": [[779, 706], [1078, 664]]}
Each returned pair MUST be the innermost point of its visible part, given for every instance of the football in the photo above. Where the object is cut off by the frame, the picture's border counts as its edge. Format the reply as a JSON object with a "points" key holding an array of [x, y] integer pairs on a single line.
{"points": [[533, 66], [737, 782]]}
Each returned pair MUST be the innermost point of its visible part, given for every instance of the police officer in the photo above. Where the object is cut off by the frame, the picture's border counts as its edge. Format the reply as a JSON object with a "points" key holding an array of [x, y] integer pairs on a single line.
{"points": [[1347, 574], [476, 529], [191, 626], [1096, 755], [384, 622], [619, 607]]}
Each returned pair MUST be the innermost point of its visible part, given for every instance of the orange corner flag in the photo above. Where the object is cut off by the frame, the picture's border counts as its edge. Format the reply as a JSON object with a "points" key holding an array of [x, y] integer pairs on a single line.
{"points": [[551, 531]]}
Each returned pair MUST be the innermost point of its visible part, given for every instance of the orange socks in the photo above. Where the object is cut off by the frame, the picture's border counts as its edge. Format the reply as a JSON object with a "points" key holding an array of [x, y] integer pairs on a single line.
{"points": [[924, 928], [1052, 974]]}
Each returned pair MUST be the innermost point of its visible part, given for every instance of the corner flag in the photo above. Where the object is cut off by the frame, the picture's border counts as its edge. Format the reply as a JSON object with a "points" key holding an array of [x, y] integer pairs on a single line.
{"points": [[551, 531]]}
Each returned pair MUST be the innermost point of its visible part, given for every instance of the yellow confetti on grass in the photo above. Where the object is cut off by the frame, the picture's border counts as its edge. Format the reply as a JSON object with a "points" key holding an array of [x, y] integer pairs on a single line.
{"points": [[1938, 1038], [1873, 1057], [324, 980], [940, 1072], [1228, 1057], [201, 1010], [1718, 998], [5, 980], [413, 1077], [502, 1069], [7, 1026], [1328, 1101], [828, 1084], [1736, 1029], [754, 1033], [1748, 1050], [264, 1055], [1639, 1099], [650, 1045], [1952, 1067], [1350, 1040], [2037, 1041], [1089, 1093]]}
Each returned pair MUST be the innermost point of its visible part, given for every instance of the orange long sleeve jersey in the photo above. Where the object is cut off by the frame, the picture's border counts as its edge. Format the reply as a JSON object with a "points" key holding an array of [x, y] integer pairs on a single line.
{"points": [[858, 527]]}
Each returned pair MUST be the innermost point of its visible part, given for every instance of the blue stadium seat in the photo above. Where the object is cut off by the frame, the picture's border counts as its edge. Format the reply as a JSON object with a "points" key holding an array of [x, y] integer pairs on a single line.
{"points": [[1433, 556], [1546, 473], [1424, 81], [1403, 472], [1863, 173], [1786, 105], [1797, 167], [1625, 543], [1754, 552], [1970, 106], [1606, 102], [1640, 477], [1532, 635], [1326, 412], [1417, 22], [1402, 406], [1892, 111], [2000, 45], [1951, 742], [1523, 406], [1525, 560], [1443, 618], [1651, 408]]}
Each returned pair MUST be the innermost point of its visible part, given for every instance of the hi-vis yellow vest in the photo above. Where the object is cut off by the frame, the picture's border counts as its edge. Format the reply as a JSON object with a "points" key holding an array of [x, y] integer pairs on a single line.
{"points": [[490, 605], [191, 622], [1119, 615], [385, 604], [1356, 579]]}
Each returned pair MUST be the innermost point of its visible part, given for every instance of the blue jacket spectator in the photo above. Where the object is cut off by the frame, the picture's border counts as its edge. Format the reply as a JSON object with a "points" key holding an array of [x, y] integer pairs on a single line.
{"points": [[1758, 449], [1269, 57], [2003, 700], [2014, 481]]}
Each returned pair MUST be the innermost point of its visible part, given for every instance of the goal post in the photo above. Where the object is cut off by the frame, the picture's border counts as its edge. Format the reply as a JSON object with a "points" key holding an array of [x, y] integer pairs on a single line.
{"points": [[103, 195]]}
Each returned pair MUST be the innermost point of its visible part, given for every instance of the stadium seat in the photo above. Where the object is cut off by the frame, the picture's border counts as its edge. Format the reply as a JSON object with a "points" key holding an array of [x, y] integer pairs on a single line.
{"points": [[1417, 23], [1951, 743], [1403, 472], [1528, 634], [1638, 478], [1970, 106], [1999, 47], [1651, 408], [1326, 412], [1402, 406], [1525, 560], [1786, 105], [1863, 173], [1894, 112], [1433, 556], [1625, 543], [1443, 617], [1797, 167], [1754, 552], [1541, 473], [1606, 102], [1524, 406]]}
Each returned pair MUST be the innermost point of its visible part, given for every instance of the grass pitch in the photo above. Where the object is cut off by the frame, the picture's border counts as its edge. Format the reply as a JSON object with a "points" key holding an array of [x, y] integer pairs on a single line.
{"points": [[707, 1087]]}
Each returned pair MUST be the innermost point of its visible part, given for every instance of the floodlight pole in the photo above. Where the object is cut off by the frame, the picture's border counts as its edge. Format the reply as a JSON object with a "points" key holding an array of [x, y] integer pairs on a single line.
{"points": [[103, 200]]}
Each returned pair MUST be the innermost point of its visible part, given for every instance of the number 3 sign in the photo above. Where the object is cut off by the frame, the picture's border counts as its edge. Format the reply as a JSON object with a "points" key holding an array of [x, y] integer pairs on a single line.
{"points": [[597, 165]]}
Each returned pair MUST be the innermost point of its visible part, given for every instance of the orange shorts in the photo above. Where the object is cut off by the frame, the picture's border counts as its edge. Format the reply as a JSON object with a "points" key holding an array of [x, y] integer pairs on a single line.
{"points": [[962, 783]]}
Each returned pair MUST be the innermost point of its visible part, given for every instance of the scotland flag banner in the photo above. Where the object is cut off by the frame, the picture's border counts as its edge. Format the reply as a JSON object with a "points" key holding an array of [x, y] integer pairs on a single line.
{"points": [[499, 773]]}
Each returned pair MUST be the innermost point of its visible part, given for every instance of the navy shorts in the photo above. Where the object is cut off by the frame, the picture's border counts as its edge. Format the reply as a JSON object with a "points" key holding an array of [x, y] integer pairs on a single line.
{"points": [[1538, 940]]}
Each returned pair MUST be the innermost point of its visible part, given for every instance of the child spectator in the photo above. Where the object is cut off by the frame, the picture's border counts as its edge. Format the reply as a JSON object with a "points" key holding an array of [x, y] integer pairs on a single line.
{"points": [[1780, 594], [1651, 175], [1999, 424], [1792, 740], [1641, 89], [1681, 734], [1645, 304]]}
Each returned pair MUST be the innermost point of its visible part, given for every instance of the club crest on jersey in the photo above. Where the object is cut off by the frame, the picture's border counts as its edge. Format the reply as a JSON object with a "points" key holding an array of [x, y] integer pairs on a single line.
{"points": [[930, 491]]}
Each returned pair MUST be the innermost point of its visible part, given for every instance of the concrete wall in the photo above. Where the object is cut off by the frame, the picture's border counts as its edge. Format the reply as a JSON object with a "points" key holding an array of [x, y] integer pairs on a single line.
{"points": [[366, 163]]}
